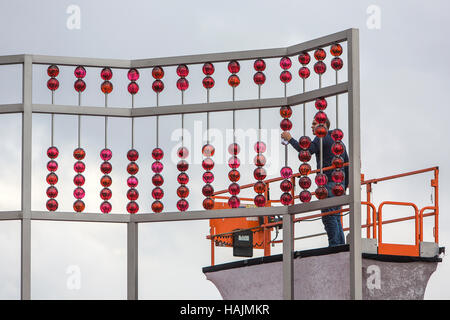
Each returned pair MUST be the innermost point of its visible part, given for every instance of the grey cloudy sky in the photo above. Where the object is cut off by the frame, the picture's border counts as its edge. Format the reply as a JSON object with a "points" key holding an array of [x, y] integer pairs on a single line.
{"points": [[404, 116]]}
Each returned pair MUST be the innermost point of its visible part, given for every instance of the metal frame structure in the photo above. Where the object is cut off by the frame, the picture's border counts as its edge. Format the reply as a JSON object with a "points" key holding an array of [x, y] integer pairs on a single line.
{"points": [[353, 199]]}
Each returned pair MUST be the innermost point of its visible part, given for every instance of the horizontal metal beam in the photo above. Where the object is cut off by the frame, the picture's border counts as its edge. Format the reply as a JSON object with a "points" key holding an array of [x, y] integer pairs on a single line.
{"points": [[318, 43], [82, 110], [87, 62], [10, 215], [319, 204], [79, 217], [11, 108], [12, 59]]}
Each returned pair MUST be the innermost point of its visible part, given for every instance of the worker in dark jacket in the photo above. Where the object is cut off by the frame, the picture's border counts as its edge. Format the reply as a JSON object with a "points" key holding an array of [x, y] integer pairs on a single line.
{"points": [[332, 223]]}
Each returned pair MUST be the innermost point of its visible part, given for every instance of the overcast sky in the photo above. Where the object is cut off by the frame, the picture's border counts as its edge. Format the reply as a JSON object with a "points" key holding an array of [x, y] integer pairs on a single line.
{"points": [[404, 111]]}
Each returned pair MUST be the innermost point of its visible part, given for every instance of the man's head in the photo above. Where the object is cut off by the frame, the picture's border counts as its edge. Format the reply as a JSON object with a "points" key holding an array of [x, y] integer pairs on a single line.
{"points": [[315, 124]]}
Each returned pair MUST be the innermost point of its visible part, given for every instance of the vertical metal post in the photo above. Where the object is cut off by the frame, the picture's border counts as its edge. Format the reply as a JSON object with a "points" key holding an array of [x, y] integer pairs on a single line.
{"points": [[25, 245], [288, 257], [355, 165], [132, 261]]}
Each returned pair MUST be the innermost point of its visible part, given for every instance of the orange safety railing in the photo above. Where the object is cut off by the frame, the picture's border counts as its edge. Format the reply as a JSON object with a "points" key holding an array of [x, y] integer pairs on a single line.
{"points": [[374, 217]]}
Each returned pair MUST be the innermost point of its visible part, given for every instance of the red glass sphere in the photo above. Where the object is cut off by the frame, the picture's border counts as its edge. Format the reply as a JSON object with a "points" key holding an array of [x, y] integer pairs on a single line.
{"points": [[208, 150], [106, 181], [304, 72], [52, 205], [106, 74], [133, 74], [80, 72], [52, 178], [208, 203], [338, 176], [321, 104], [304, 169], [182, 205], [79, 85], [285, 76], [105, 194], [208, 69], [286, 112], [79, 193], [320, 67], [157, 180], [105, 207], [259, 65], [286, 199], [52, 166], [182, 165], [304, 155], [208, 82], [321, 131], [234, 149], [207, 190], [183, 178], [260, 147], [208, 164], [106, 154], [338, 190], [321, 179], [336, 50], [321, 193], [132, 182], [259, 187], [158, 73], [286, 185], [337, 63], [106, 87], [132, 207], [182, 70], [260, 173], [79, 166], [234, 80], [79, 153], [234, 202], [183, 152], [132, 194], [182, 84], [304, 142], [157, 206], [260, 200], [304, 58], [304, 182], [234, 66], [132, 168], [286, 172], [338, 162], [79, 180], [234, 189], [208, 177], [133, 87], [53, 71], [234, 175], [106, 167], [259, 78], [286, 125], [52, 152], [305, 196], [132, 155], [337, 134], [157, 154], [259, 160], [321, 117], [320, 54], [157, 167], [157, 193], [53, 84], [158, 86], [234, 162], [285, 63], [337, 148], [52, 192]]}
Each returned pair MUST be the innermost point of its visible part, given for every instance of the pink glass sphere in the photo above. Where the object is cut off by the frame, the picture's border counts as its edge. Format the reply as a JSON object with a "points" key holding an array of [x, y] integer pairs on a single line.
{"points": [[157, 193], [133, 87], [106, 167], [337, 134], [183, 152], [321, 117], [260, 200], [207, 190], [208, 164], [52, 192], [106, 74], [234, 66], [234, 202], [105, 207], [260, 147], [234, 162], [158, 73], [337, 148], [234, 189], [79, 193], [132, 155], [132, 194], [208, 82], [157, 154], [321, 179], [286, 125], [304, 182], [182, 165], [338, 190], [234, 149], [234, 175], [182, 205], [157, 206], [259, 65], [305, 196], [157, 180], [133, 74], [320, 67], [208, 150], [259, 78], [304, 142], [183, 178], [320, 54], [79, 85], [260, 173], [79, 180], [106, 154], [286, 199], [182, 84], [321, 104], [79, 166], [304, 72], [208, 203], [80, 72], [338, 176], [132, 168], [53, 84], [132, 207], [52, 152], [321, 193], [234, 80], [286, 172], [304, 155], [208, 69], [337, 63], [52, 166], [285, 76], [285, 63], [304, 58], [208, 177], [158, 86], [53, 71], [79, 153], [132, 182], [182, 70], [286, 185], [105, 194], [52, 205], [286, 112]]}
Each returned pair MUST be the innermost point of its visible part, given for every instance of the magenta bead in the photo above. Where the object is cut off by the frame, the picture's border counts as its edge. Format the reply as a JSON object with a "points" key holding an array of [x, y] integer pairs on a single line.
{"points": [[79, 166], [79, 85], [133, 74], [105, 194], [80, 72], [106, 154], [260, 200], [320, 67], [79, 193], [52, 205], [208, 177], [321, 179], [79, 180], [132, 168], [286, 172], [259, 65], [132, 182], [183, 178], [286, 185], [158, 86], [157, 167], [182, 84], [52, 152], [304, 182], [133, 87], [285, 63], [337, 134], [208, 82], [304, 72], [259, 78], [234, 66], [260, 147], [157, 154], [234, 162], [106, 74], [52, 192], [338, 176], [53, 71], [304, 58], [105, 207], [286, 199], [157, 193], [208, 69], [182, 165], [132, 194], [208, 164], [132, 155], [305, 196], [182, 205], [304, 142], [53, 84], [52, 166], [132, 207], [182, 70], [234, 189], [234, 202], [285, 76]]}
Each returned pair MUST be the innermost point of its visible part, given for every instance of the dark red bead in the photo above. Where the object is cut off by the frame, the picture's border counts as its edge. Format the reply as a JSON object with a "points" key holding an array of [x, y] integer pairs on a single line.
{"points": [[79, 153], [286, 199], [79, 85], [53, 84], [157, 180], [132, 194], [338, 190], [337, 148], [321, 131], [52, 205], [259, 65], [52, 192], [158, 86], [52, 178], [304, 169], [182, 165], [182, 70], [182, 84], [259, 187], [183, 178], [285, 76], [304, 72], [132, 155], [234, 202], [106, 167], [321, 117], [259, 173], [338, 176], [80, 72], [321, 179], [106, 73], [52, 166], [53, 71], [79, 166], [321, 104], [157, 206], [132, 168], [132, 207], [337, 63], [208, 177], [234, 175], [183, 191], [286, 125], [321, 193], [304, 182], [304, 142], [106, 181], [105, 207], [79, 180], [304, 58], [208, 164], [208, 68], [259, 78], [338, 162], [208, 203], [286, 185], [304, 155], [305, 196], [157, 154], [207, 190], [320, 67], [208, 82], [320, 54], [286, 172], [79, 193], [337, 134], [133, 87], [234, 189], [286, 112], [157, 193], [158, 73], [234, 80], [336, 50], [52, 152], [182, 205], [234, 66], [285, 63], [105, 194]]}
